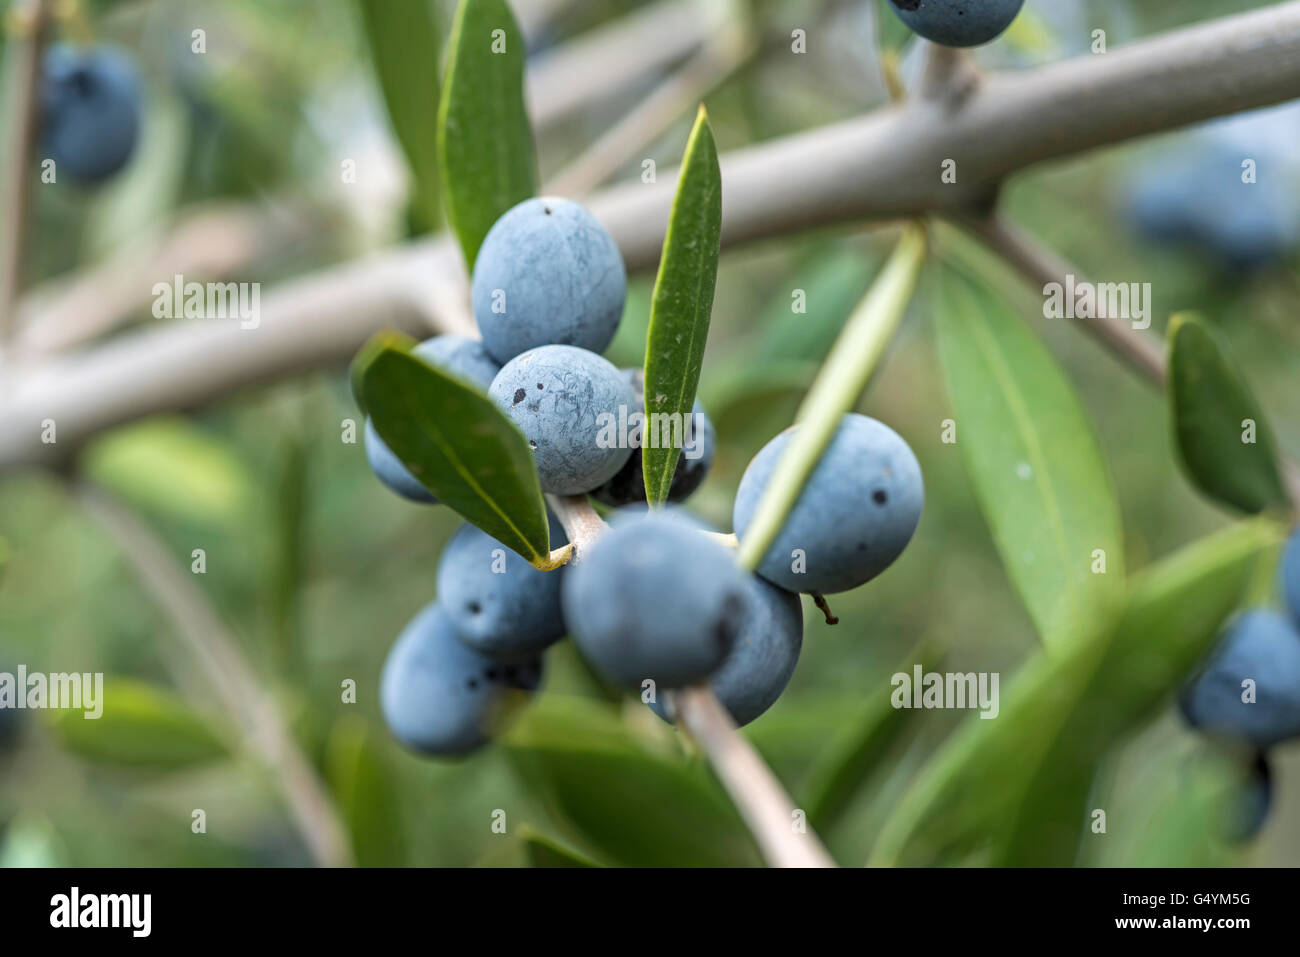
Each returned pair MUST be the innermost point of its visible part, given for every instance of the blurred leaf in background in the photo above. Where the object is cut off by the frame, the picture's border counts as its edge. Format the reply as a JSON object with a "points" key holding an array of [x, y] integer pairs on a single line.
{"points": [[141, 727], [1224, 442], [598, 779], [364, 788], [171, 466], [485, 141], [1031, 454], [405, 40], [1016, 786]]}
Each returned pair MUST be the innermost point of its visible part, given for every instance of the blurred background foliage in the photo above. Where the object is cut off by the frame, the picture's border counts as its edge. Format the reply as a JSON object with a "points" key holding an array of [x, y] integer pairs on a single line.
{"points": [[316, 567]]}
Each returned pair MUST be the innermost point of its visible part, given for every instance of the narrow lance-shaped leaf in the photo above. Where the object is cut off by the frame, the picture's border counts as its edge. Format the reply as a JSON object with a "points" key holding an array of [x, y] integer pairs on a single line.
{"points": [[1221, 437], [1031, 454], [456, 442], [683, 303], [485, 143], [836, 390], [1017, 785], [405, 43]]}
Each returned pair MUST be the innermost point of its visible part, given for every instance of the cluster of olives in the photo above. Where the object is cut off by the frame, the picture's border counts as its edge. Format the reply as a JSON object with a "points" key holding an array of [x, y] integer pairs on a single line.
{"points": [[657, 603]]}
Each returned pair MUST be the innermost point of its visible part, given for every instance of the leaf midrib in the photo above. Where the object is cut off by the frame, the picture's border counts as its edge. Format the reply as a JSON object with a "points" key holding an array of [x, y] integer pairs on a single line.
{"points": [[669, 460], [422, 418]]}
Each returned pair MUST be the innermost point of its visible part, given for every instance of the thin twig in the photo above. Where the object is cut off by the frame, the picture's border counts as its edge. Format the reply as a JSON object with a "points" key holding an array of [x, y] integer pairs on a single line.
{"points": [[30, 24], [232, 677], [675, 97], [616, 58], [1141, 352], [762, 801]]}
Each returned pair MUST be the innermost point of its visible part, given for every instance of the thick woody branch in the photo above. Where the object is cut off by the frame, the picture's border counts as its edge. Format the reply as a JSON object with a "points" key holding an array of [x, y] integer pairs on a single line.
{"points": [[883, 166]]}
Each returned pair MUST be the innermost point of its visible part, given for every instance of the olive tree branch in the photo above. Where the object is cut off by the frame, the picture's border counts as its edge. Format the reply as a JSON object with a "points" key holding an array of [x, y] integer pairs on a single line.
{"points": [[882, 166], [29, 24], [211, 241], [233, 679], [764, 804]]}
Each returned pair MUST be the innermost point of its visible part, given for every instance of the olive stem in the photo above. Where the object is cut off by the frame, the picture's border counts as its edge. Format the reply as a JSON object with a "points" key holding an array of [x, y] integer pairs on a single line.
{"points": [[779, 827], [766, 808], [557, 558], [825, 608], [950, 76]]}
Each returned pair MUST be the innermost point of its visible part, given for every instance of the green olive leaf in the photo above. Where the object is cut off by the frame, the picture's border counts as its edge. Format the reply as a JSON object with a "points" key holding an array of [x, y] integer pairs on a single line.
{"points": [[1031, 454], [1223, 442], [404, 39], [140, 726], [543, 850], [681, 307], [859, 751], [456, 442], [485, 142]]}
